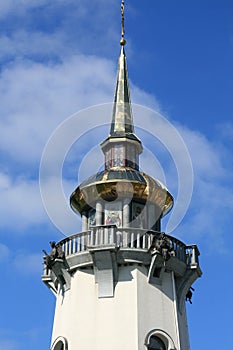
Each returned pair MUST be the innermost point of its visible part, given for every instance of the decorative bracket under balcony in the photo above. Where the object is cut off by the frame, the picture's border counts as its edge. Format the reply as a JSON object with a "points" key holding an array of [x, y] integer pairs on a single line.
{"points": [[61, 274], [156, 269], [105, 269]]}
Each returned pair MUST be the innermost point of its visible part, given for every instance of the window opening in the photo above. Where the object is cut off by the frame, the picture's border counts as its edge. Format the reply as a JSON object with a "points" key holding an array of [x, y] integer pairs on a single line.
{"points": [[156, 343]]}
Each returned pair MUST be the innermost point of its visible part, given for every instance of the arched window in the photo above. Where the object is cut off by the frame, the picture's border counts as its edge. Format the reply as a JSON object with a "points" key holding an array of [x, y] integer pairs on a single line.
{"points": [[60, 344], [156, 343]]}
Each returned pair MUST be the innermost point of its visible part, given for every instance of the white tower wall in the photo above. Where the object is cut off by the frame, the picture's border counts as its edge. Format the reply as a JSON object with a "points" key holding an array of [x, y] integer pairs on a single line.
{"points": [[124, 320], [121, 305]]}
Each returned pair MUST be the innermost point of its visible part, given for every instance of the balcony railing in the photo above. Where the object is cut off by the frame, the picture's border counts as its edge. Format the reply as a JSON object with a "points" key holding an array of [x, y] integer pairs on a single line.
{"points": [[125, 238]]}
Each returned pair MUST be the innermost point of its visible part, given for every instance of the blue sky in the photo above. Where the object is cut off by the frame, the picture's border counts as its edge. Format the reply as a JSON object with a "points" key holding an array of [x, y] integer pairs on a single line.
{"points": [[59, 57]]}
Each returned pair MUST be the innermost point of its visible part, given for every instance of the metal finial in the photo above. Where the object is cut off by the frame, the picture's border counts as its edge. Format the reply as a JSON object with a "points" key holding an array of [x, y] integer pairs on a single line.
{"points": [[123, 41]]}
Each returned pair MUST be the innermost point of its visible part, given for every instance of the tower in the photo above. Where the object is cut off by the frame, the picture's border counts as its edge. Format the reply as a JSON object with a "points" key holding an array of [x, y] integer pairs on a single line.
{"points": [[121, 283]]}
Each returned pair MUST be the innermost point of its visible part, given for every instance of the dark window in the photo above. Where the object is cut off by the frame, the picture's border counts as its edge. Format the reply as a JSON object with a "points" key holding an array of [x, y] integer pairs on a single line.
{"points": [[157, 272], [156, 343], [59, 346]]}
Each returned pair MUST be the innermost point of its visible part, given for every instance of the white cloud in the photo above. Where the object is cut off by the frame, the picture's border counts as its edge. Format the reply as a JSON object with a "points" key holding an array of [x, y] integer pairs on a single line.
{"points": [[226, 130], [210, 211], [28, 263], [20, 205], [23, 43], [20, 7], [65, 21], [4, 253], [6, 344], [43, 96], [206, 155], [144, 98]]}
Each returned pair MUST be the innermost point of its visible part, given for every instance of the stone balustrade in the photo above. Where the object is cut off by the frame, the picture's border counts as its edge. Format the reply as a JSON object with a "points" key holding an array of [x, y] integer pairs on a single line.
{"points": [[124, 239]]}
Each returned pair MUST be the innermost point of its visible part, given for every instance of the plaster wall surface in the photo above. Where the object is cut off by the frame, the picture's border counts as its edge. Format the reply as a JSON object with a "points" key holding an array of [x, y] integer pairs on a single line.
{"points": [[184, 332], [156, 309], [119, 322], [86, 320]]}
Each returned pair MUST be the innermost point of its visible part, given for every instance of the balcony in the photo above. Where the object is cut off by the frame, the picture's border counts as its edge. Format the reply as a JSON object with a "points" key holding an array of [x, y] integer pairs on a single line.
{"points": [[132, 246]]}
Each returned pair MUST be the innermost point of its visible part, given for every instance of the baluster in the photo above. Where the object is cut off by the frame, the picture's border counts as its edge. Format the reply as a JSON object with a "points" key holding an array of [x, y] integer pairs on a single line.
{"points": [[138, 240], [118, 236], [193, 257], [70, 246], [106, 235], [87, 239], [125, 240], [66, 248], [101, 236], [92, 237], [97, 235], [82, 242], [79, 243], [144, 241], [74, 245], [132, 240]]}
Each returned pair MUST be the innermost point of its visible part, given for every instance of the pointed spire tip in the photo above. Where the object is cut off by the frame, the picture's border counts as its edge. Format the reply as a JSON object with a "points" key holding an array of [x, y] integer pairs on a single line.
{"points": [[122, 41]]}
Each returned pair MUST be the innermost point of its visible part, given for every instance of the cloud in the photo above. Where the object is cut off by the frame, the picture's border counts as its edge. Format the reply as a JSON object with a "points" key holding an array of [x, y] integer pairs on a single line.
{"points": [[14, 339], [28, 263], [36, 45], [210, 211], [18, 6], [43, 96], [144, 98], [20, 200], [21, 7], [65, 21], [6, 344], [4, 253], [226, 130]]}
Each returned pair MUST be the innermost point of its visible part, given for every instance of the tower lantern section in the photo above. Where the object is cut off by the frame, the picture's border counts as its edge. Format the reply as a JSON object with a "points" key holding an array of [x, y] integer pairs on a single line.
{"points": [[122, 147], [121, 194]]}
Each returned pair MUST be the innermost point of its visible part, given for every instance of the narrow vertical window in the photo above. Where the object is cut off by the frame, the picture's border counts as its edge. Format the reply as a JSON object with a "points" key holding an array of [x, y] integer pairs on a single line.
{"points": [[118, 156], [139, 219], [91, 217], [132, 157], [108, 159]]}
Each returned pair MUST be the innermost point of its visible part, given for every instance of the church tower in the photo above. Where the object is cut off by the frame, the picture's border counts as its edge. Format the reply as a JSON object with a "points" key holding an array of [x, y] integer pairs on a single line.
{"points": [[121, 283]]}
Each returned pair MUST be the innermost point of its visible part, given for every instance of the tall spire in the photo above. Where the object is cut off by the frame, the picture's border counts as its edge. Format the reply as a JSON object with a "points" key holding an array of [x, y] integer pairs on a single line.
{"points": [[122, 120], [122, 147]]}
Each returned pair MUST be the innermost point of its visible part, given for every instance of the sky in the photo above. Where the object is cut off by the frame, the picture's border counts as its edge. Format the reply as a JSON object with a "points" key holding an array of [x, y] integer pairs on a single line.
{"points": [[59, 59]]}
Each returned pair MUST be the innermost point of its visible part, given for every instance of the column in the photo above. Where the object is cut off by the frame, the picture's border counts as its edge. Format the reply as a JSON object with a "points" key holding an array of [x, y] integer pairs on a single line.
{"points": [[84, 221], [126, 212], [99, 213]]}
